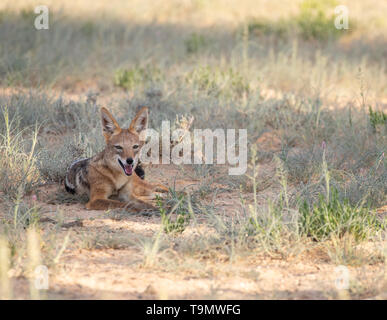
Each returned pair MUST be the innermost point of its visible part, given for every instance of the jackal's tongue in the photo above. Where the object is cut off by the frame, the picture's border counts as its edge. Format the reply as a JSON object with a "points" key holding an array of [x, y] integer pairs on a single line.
{"points": [[128, 168]]}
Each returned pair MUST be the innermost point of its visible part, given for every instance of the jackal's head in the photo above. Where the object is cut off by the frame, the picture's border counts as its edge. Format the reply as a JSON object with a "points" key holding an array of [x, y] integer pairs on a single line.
{"points": [[123, 145]]}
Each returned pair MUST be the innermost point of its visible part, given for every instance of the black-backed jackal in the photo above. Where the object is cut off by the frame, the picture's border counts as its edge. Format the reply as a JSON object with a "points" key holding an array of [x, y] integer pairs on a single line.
{"points": [[115, 171]]}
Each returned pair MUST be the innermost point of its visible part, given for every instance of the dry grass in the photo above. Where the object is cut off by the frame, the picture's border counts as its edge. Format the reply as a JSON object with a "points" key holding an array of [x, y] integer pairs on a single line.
{"points": [[315, 109]]}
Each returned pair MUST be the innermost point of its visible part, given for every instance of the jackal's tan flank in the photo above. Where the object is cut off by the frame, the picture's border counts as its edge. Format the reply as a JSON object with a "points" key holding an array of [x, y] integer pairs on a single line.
{"points": [[111, 172]]}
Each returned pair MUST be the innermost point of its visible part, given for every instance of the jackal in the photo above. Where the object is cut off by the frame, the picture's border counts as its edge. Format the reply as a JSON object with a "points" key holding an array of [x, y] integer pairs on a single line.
{"points": [[110, 172]]}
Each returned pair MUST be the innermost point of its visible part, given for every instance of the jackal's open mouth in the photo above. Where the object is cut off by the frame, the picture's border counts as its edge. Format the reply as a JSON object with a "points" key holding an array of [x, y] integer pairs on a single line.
{"points": [[128, 168]]}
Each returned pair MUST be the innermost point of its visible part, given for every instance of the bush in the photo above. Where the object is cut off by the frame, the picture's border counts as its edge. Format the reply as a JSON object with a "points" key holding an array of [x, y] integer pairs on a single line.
{"points": [[332, 217], [263, 27], [53, 115], [377, 118], [369, 186], [215, 81], [130, 78], [194, 43], [18, 171], [179, 205], [303, 165], [54, 162], [313, 22]]}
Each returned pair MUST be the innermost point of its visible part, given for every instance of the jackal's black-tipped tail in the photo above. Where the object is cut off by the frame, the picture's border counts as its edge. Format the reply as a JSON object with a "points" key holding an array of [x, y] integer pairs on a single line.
{"points": [[68, 188], [76, 180]]}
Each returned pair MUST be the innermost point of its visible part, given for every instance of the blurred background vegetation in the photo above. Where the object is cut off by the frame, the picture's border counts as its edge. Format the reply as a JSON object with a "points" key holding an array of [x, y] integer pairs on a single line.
{"points": [[288, 46]]}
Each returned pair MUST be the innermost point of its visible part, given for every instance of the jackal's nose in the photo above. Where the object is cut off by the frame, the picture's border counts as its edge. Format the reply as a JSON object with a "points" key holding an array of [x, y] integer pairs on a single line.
{"points": [[129, 161]]}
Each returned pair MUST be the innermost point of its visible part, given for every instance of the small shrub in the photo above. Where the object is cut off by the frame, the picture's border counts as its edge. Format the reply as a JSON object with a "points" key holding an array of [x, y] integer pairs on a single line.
{"points": [[27, 109], [54, 115], [127, 78], [130, 78], [28, 15], [219, 82], [18, 170], [54, 162], [88, 28], [182, 219], [377, 118], [194, 43], [332, 217], [314, 21], [279, 29], [369, 186], [302, 165]]}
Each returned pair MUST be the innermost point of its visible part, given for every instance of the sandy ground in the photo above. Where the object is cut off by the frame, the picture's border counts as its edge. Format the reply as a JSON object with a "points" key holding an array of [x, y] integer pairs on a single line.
{"points": [[117, 271], [105, 256]]}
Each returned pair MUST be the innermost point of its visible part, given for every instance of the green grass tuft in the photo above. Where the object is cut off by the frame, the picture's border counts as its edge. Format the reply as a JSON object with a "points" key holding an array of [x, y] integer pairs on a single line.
{"points": [[137, 76], [195, 43], [336, 218], [377, 118]]}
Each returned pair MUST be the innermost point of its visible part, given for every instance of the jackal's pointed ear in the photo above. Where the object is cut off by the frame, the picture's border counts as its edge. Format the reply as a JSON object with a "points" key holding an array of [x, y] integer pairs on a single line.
{"points": [[140, 121], [109, 124]]}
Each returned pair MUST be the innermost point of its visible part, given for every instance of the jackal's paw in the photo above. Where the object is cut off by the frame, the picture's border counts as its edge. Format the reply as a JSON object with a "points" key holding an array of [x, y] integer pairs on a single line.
{"points": [[153, 197]]}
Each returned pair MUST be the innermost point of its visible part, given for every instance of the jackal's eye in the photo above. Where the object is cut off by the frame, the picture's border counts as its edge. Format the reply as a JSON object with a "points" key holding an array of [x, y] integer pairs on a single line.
{"points": [[135, 146], [118, 148]]}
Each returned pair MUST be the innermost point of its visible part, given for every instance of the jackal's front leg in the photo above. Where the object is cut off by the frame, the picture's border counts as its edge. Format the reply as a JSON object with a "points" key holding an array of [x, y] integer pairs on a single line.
{"points": [[136, 205], [99, 200], [143, 188]]}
